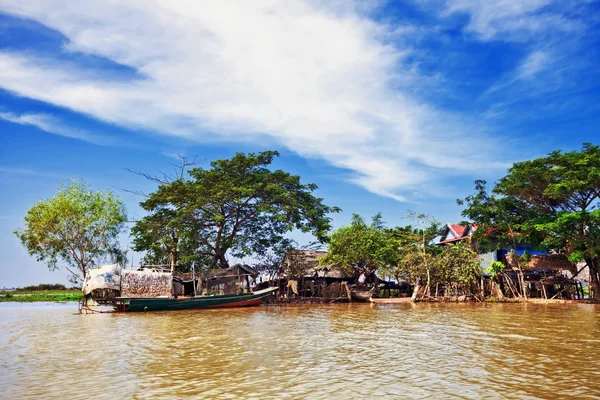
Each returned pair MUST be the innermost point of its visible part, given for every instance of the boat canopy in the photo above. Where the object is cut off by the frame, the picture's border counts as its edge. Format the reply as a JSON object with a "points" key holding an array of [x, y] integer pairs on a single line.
{"points": [[104, 277]]}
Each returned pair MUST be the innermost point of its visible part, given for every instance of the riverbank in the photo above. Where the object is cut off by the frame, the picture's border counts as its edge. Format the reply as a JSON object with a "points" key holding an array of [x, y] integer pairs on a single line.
{"points": [[57, 296]]}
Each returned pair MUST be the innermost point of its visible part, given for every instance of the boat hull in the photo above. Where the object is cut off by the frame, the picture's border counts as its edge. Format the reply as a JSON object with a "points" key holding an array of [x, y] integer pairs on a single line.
{"points": [[391, 300], [361, 295], [136, 304]]}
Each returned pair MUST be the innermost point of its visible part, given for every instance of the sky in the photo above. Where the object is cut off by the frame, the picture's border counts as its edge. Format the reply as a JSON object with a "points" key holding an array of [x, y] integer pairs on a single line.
{"points": [[387, 106]]}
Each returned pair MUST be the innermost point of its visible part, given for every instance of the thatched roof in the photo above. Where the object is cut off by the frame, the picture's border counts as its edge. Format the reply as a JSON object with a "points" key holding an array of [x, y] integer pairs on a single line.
{"points": [[146, 283], [548, 262], [305, 263], [238, 270]]}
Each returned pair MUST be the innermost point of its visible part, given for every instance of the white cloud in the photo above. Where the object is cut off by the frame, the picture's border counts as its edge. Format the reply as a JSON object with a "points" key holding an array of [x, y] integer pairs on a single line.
{"points": [[535, 62], [50, 124], [323, 82], [511, 19], [28, 172], [549, 32]]}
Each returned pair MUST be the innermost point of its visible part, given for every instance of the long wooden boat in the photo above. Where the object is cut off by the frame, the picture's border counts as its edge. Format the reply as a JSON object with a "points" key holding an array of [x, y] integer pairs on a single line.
{"points": [[136, 304], [391, 300]]}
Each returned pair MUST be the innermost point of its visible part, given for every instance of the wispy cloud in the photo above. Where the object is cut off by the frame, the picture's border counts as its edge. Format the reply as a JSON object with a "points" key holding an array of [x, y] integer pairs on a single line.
{"points": [[535, 62], [50, 124], [549, 34], [515, 20], [29, 172], [324, 81]]}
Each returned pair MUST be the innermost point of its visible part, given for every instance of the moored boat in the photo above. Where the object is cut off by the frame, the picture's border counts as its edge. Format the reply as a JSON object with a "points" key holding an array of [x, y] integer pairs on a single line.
{"points": [[391, 300], [361, 295], [137, 304]]}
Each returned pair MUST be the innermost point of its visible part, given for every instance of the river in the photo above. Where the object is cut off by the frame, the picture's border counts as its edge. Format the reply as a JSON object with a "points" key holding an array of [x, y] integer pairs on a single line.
{"points": [[468, 351]]}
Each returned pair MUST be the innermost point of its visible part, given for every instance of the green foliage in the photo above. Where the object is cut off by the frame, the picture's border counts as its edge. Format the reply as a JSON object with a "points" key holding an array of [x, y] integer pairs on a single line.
{"points": [[405, 253], [496, 268], [41, 296], [563, 189], [43, 286], [413, 263], [361, 247], [457, 263], [238, 206], [78, 227], [500, 219], [550, 202], [525, 257], [417, 254]]}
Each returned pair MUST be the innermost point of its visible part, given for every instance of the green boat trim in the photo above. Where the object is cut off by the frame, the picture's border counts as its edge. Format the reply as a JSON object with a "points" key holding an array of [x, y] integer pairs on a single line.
{"points": [[138, 304]]}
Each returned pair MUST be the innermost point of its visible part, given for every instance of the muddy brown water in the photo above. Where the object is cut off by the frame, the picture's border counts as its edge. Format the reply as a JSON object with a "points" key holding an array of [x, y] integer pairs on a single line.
{"points": [[440, 351]]}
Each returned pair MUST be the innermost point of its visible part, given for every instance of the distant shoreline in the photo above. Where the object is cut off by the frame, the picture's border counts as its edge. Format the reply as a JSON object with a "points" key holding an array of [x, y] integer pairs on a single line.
{"points": [[55, 296]]}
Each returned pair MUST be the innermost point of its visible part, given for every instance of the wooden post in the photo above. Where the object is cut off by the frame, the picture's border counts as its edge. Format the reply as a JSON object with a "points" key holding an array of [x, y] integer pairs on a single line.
{"points": [[194, 278], [544, 291], [345, 285]]}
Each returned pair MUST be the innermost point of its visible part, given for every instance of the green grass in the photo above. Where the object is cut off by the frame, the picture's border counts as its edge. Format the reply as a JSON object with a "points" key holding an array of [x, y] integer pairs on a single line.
{"points": [[41, 295]]}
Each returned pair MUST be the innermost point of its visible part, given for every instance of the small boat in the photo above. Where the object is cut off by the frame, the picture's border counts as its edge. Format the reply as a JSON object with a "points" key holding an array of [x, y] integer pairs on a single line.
{"points": [[391, 300], [361, 295], [136, 304]]}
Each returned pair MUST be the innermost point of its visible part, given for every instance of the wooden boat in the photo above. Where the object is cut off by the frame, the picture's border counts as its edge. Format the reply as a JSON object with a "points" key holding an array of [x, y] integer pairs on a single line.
{"points": [[361, 295], [136, 304], [391, 300]]}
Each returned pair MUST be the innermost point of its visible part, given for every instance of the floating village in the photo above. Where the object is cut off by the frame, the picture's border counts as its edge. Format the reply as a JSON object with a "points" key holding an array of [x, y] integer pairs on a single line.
{"points": [[302, 279]]}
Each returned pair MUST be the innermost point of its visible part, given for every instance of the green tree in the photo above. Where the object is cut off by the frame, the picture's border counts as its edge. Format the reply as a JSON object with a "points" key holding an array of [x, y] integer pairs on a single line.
{"points": [[457, 264], [419, 253], [557, 198], [502, 221], [78, 227], [361, 247], [238, 206], [165, 242]]}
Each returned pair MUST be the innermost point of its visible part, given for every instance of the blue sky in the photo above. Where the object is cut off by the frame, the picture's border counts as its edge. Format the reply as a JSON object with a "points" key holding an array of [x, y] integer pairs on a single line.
{"points": [[387, 106]]}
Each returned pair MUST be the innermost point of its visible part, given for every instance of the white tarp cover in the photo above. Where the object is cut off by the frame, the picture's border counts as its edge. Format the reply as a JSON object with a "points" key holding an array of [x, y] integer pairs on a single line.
{"points": [[104, 277]]}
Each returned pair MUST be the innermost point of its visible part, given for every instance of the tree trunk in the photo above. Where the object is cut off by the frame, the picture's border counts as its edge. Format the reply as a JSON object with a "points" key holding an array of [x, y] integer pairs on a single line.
{"points": [[415, 292], [428, 288], [223, 263], [497, 290], [594, 280], [173, 253], [594, 289], [522, 284]]}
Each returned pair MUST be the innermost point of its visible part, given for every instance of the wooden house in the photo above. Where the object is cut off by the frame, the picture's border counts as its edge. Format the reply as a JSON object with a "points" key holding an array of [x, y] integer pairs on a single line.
{"points": [[235, 279], [304, 277], [542, 273]]}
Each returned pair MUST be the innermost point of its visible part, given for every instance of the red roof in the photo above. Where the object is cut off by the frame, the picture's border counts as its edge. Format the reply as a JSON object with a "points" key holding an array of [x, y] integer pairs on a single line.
{"points": [[458, 229], [461, 231]]}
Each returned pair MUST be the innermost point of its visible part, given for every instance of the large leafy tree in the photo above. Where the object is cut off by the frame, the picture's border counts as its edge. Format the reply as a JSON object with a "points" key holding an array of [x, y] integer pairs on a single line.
{"points": [[361, 247], [416, 261], [78, 227], [557, 201], [238, 206], [501, 221], [457, 263], [165, 241]]}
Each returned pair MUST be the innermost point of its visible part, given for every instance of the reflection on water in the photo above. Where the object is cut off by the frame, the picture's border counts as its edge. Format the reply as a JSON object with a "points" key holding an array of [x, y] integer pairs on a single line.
{"points": [[321, 352]]}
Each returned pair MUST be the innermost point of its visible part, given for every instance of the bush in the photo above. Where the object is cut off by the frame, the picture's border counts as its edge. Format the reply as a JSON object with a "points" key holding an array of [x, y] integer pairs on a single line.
{"points": [[43, 286]]}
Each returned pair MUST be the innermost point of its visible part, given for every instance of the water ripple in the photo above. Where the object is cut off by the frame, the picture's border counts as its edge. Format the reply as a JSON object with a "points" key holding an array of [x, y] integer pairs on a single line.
{"points": [[460, 351]]}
